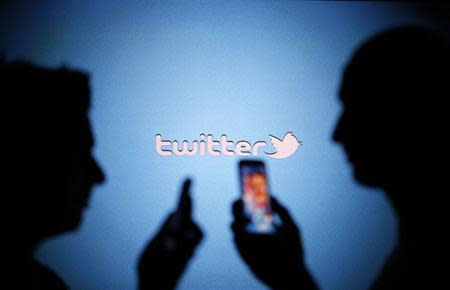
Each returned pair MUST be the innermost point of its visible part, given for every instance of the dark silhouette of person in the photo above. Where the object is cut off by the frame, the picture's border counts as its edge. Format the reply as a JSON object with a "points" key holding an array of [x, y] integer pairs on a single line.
{"points": [[48, 177], [395, 132]]}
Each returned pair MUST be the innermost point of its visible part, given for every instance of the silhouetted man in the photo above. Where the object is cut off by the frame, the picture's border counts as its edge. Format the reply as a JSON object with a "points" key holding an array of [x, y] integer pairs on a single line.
{"points": [[395, 131], [50, 171]]}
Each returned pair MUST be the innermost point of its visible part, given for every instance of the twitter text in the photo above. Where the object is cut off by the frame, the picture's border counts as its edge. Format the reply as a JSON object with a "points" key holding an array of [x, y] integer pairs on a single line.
{"points": [[208, 145]]}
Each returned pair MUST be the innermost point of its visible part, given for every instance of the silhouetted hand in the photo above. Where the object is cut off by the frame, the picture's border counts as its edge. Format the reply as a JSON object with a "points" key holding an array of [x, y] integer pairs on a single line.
{"points": [[276, 259], [167, 255]]}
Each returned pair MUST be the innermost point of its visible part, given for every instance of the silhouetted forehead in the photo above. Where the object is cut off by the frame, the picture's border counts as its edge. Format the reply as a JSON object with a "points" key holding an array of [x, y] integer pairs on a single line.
{"points": [[88, 133], [398, 58], [49, 104], [79, 132], [345, 85], [42, 89]]}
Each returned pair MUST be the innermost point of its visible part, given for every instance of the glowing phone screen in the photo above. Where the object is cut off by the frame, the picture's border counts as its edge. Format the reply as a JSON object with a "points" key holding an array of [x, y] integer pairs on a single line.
{"points": [[256, 197]]}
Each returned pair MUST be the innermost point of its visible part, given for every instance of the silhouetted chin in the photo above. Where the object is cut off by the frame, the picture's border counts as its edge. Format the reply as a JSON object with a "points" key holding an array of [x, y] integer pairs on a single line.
{"points": [[71, 221], [75, 219], [366, 177], [74, 213]]}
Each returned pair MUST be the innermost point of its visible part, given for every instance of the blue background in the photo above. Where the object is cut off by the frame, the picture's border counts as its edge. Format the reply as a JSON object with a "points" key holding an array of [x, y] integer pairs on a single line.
{"points": [[246, 69]]}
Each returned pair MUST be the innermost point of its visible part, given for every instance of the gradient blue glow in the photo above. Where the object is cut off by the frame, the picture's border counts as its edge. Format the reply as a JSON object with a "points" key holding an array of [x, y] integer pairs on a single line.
{"points": [[245, 69]]}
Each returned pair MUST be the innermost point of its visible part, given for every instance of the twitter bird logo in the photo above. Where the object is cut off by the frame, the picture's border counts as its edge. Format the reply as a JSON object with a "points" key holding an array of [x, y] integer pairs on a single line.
{"points": [[284, 148]]}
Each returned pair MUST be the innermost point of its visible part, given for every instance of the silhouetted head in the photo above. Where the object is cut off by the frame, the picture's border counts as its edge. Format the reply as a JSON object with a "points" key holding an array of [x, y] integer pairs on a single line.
{"points": [[48, 143], [395, 94]]}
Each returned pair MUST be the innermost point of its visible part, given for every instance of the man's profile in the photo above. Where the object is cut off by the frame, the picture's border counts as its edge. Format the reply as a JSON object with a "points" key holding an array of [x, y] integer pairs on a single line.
{"points": [[394, 128], [50, 171]]}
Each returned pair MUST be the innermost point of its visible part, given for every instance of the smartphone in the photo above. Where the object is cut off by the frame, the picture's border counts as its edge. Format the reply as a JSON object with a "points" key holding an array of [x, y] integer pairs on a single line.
{"points": [[255, 196]]}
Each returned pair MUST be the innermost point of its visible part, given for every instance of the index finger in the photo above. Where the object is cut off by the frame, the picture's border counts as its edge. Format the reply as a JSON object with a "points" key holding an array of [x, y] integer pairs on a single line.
{"points": [[185, 201]]}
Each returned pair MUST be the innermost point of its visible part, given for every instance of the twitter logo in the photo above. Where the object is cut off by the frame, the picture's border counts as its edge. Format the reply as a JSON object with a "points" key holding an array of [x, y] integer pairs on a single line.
{"points": [[284, 148], [207, 145]]}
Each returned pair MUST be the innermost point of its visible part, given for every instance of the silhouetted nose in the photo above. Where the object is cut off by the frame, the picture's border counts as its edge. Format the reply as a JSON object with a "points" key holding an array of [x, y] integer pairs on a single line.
{"points": [[97, 173], [338, 131]]}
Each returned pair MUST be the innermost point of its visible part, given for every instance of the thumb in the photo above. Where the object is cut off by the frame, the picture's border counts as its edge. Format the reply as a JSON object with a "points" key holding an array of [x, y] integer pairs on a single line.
{"points": [[283, 213]]}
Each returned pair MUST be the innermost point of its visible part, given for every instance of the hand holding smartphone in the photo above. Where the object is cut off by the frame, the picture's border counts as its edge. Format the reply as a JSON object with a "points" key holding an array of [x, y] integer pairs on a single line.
{"points": [[166, 256], [270, 247]]}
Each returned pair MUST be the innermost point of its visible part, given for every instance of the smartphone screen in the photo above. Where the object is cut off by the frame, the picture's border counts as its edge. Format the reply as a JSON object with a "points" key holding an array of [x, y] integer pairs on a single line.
{"points": [[255, 195]]}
